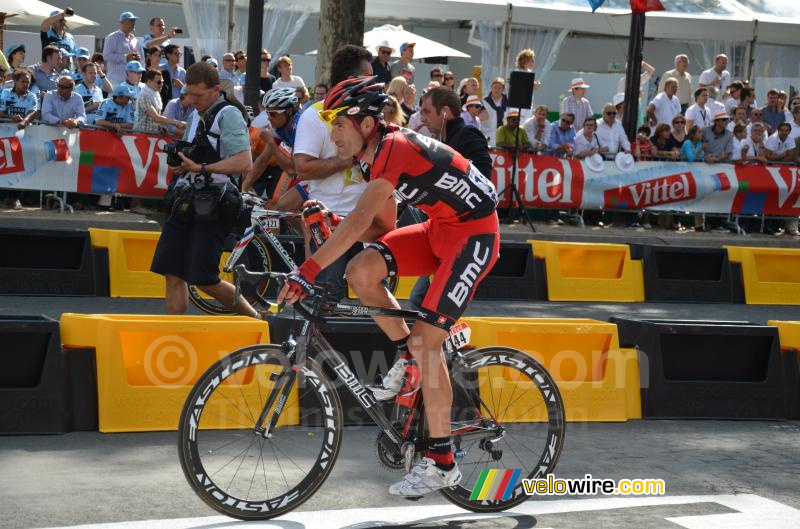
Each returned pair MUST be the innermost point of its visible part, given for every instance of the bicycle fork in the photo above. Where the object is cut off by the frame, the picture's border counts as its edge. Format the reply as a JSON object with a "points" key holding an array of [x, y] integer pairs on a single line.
{"points": [[284, 382]]}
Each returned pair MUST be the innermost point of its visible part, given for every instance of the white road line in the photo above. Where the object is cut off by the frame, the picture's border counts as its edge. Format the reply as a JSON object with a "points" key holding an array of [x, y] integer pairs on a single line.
{"points": [[754, 511]]}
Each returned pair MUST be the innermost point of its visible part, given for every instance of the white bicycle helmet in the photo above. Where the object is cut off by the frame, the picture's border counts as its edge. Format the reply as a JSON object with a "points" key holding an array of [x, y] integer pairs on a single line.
{"points": [[280, 98]]}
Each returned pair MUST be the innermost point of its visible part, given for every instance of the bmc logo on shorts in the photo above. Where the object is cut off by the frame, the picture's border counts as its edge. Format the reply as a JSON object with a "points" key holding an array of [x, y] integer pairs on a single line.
{"points": [[461, 290]]}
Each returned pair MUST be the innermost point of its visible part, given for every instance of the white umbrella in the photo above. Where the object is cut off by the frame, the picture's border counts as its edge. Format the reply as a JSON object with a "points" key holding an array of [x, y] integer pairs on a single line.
{"points": [[396, 35], [32, 12]]}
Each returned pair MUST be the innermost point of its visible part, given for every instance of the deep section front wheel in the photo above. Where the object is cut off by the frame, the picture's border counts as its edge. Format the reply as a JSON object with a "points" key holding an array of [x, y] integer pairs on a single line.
{"points": [[237, 469]]}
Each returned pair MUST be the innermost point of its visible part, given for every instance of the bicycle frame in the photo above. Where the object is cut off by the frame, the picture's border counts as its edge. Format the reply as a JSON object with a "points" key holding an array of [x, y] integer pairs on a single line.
{"points": [[259, 220], [311, 335]]}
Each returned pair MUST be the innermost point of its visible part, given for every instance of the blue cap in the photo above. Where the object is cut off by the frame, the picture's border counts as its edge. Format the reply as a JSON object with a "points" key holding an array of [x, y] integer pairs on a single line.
{"points": [[405, 45], [83, 53], [134, 66], [122, 90], [13, 49], [213, 62], [66, 53], [56, 12], [127, 15]]}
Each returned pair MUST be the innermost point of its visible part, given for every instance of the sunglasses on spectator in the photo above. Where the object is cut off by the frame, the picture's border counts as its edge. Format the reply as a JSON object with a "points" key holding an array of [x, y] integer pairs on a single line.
{"points": [[159, 83], [448, 77], [65, 87], [611, 113], [434, 76], [678, 122], [568, 122], [228, 60], [265, 59], [386, 52], [241, 58]]}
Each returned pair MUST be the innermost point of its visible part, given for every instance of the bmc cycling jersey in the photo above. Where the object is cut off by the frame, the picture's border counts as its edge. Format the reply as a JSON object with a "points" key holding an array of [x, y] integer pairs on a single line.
{"points": [[433, 177]]}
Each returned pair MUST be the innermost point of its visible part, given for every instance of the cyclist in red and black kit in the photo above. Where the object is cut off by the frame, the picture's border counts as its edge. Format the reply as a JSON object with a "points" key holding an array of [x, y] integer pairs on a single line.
{"points": [[458, 244]]}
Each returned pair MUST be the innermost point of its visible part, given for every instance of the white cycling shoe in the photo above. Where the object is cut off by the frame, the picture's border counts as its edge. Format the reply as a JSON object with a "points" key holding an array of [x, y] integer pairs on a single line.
{"points": [[425, 477], [392, 383]]}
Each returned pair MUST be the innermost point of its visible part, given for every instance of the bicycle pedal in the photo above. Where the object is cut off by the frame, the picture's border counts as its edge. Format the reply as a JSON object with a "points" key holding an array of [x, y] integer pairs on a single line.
{"points": [[413, 498]]}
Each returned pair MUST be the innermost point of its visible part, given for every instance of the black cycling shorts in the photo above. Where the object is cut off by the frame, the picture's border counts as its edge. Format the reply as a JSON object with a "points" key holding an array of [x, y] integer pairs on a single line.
{"points": [[191, 251]]}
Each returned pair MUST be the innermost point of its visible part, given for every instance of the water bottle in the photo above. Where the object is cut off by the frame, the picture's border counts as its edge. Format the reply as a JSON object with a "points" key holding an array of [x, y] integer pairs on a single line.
{"points": [[315, 220], [412, 380]]}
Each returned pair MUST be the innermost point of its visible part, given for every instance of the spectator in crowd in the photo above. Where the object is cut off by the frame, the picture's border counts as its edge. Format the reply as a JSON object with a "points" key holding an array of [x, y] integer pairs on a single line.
{"points": [[63, 106], [89, 91], [747, 99], [437, 75], [287, 79], [610, 132], [335, 182], [794, 103], [392, 113], [449, 81], [576, 103], [65, 68], [795, 134], [739, 135], [692, 149], [18, 102], [176, 73], [116, 113], [739, 118], [81, 57], [525, 62], [230, 81], [538, 129], [679, 130], [756, 116], [119, 45], [404, 62], [267, 79], [771, 113], [507, 137], [152, 61], [302, 94], [718, 140], [16, 56], [133, 79], [469, 87], [562, 137], [665, 106], [178, 110], [46, 73], [644, 78], [397, 89], [714, 105], [409, 101], [380, 66], [148, 116], [663, 144], [754, 149], [779, 146], [619, 104], [586, 143], [699, 113], [717, 76], [684, 79], [471, 110], [496, 101], [320, 91], [734, 96], [241, 64], [53, 30], [158, 36], [642, 148]]}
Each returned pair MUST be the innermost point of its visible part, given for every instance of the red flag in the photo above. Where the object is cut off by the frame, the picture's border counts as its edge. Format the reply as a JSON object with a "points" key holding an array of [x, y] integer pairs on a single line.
{"points": [[643, 6]]}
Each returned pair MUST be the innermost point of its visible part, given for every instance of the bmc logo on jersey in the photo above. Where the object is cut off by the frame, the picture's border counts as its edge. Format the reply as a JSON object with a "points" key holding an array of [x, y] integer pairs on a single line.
{"points": [[11, 160], [459, 187]]}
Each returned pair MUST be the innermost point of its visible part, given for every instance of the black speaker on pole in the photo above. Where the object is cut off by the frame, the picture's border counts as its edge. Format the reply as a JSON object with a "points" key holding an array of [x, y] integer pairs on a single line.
{"points": [[520, 91]]}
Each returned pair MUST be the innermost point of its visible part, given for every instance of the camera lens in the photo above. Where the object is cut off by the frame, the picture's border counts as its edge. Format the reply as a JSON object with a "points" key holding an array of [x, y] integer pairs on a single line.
{"points": [[69, 11], [178, 31]]}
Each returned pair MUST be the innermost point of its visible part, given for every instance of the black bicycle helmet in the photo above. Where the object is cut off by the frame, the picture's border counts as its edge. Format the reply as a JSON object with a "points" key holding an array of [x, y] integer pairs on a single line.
{"points": [[360, 96]]}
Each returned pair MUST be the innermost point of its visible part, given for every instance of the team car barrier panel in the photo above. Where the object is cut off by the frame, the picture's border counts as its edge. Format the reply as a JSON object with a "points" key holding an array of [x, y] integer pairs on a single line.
{"points": [[707, 369], [789, 333], [598, 380], [687, 274], [146, 365], [130, 254], [590, 272], [41, 391], [50, 262], [771, 276]]}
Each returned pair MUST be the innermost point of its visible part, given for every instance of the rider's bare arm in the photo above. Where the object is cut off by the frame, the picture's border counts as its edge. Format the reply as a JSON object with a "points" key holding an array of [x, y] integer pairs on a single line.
{"points": [[384, 222], [352, 229], [310, 168]]}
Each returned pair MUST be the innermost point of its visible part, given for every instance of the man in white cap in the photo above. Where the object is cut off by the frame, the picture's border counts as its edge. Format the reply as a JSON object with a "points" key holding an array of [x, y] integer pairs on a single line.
{"points": [[119, 44], [406, 56], [380, 66], [53, 30], [506, 136], [577, 104], [718, 140]]}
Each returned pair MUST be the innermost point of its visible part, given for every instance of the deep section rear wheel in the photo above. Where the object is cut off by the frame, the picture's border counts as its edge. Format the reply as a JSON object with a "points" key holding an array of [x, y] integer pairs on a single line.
{"points": [[233, 467], [506, 391]]}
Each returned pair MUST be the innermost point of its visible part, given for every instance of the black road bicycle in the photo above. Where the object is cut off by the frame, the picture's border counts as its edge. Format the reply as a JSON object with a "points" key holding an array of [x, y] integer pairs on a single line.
{"points": [[252, 252], [261, 429]]}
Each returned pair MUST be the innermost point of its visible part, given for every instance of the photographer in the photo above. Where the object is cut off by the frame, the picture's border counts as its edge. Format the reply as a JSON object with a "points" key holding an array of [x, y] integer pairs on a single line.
{"points": [[203, 206]]}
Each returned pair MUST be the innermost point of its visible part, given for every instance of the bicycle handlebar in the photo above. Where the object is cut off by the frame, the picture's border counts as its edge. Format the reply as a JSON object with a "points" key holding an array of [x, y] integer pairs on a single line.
{"points": [[243, 273]]}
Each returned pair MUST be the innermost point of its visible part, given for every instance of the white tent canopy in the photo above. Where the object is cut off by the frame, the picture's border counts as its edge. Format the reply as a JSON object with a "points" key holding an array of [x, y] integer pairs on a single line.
{"points": [[32, 12]]}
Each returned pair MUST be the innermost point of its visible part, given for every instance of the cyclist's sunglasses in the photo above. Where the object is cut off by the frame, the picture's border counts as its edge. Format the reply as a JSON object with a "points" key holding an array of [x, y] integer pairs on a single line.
{"points": [[329, 115]]}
